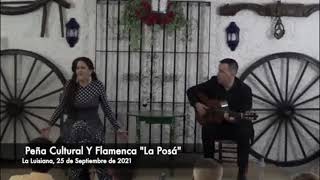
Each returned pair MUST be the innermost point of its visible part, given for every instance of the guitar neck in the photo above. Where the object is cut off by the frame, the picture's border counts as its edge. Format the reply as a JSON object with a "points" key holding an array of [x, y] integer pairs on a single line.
{"points": [[236, 115]]}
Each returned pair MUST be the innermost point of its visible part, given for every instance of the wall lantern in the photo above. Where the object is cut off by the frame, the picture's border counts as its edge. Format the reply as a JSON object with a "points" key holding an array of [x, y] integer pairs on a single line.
{"points": [[232, 35], [72, 32], [159, 6]]}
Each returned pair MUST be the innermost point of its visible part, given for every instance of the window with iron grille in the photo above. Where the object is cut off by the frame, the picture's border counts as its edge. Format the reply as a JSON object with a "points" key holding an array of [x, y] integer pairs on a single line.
{"points": [[156, 75]]}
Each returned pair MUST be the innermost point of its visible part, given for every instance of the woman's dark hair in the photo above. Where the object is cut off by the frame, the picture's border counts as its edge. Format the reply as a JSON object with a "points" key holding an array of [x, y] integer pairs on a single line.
{"points": [[73, 86]]}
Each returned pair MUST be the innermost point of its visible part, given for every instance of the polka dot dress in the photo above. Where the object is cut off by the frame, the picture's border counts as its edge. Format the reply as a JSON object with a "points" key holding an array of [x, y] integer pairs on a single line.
{"points": [[87, 126], [87, 101]]}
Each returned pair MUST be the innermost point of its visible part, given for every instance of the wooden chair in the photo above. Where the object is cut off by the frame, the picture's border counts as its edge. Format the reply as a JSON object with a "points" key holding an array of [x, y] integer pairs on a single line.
{"points": [[226, 151]]}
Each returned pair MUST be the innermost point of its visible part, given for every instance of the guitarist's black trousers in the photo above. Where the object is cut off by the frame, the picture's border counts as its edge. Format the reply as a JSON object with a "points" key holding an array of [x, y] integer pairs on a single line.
{"points": [[241, 132]]}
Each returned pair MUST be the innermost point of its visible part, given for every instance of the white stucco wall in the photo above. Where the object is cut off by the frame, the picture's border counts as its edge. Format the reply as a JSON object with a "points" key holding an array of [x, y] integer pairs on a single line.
{"points": [[256, 35], [23, 32]]}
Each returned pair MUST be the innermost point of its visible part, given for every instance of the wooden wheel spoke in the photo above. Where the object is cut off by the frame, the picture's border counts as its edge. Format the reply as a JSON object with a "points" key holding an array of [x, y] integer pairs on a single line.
{"points": [[265, 130], [5, 129], [5, 83], [28, 78], [298, 82], [25, 130], [32, 124], [264, 100], [274, 138], [307, 118], [44, 96], [36, 86], [305, 90], [306, 129], [308, 100], [275, 81], [298, 139], [265, 87], [264, 118]]}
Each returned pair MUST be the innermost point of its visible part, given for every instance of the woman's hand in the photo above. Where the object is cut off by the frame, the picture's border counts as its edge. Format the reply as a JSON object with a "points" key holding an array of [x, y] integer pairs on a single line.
{"points": [[45, 132], [122, 134]]}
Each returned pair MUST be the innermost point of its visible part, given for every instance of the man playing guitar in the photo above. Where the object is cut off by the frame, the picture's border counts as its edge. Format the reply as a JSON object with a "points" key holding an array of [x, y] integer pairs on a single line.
{"points": [[225, 87]]}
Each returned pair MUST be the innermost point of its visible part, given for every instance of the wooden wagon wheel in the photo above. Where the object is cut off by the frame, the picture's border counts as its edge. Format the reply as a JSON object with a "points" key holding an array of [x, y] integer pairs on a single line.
{"points": [[285, 89], [30, 88]]}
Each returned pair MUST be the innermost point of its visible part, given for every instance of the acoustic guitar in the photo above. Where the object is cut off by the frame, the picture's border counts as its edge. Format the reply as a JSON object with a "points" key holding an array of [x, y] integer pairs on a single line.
{"points": [[216, 110]]}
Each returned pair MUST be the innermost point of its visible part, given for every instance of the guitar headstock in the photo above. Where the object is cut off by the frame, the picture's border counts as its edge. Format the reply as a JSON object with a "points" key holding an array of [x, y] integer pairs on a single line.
{"points": [[250, 115]]}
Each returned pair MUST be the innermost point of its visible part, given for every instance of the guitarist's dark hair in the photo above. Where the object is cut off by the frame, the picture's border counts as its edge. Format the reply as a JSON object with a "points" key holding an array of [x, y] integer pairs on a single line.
{"points": [[232, 64]]}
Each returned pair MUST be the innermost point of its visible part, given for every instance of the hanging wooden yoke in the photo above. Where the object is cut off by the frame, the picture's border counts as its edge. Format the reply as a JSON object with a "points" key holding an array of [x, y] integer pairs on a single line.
{"points": [[292, 10], [275, 10], [24, 7]]}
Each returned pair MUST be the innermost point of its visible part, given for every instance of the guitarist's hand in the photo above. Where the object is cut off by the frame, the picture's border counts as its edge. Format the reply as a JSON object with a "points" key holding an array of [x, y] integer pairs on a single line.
{"points": [[201, 108], [229, 118]]}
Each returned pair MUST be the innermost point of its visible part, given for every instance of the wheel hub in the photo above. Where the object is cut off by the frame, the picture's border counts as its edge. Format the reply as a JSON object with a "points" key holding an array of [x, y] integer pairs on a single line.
{"points": [[286, 111], [14, 107]]}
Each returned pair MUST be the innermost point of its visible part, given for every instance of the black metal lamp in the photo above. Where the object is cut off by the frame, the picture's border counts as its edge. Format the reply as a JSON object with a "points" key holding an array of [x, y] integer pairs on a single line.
{"points": [[72, 32], [232, 35]]}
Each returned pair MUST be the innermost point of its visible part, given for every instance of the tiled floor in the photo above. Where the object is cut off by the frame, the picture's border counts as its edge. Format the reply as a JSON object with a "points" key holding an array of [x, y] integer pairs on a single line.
{"points": [[270, 172]]}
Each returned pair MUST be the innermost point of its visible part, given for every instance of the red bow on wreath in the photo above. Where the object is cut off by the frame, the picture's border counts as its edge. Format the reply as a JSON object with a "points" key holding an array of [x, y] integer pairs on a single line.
{"points": [[149, 17]]}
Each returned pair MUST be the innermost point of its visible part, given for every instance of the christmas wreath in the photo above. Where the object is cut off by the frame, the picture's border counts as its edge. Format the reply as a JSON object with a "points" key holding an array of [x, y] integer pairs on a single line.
{"points": [[137, 11]]}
